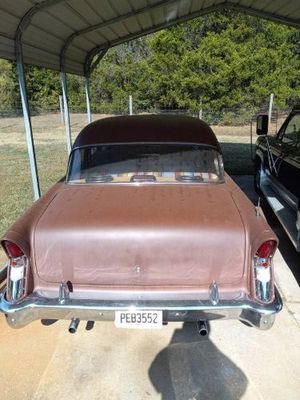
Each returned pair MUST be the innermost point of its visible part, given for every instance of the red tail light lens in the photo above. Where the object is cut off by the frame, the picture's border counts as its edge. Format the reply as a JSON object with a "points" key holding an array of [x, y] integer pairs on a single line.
{"points": [[12, 249], [267, 249]]}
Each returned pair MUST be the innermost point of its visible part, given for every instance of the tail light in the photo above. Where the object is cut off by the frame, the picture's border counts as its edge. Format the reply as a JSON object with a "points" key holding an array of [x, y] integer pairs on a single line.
{"points": [[263, 271], [16, 272]]}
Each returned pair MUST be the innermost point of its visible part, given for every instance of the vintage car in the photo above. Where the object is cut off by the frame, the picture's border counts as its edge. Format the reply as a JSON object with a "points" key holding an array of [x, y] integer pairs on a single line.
{"points": [[277, 171], [146, 228]]}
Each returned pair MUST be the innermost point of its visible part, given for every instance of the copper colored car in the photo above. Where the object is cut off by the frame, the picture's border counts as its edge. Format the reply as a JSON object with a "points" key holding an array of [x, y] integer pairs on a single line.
{"points": [[146, 228]]}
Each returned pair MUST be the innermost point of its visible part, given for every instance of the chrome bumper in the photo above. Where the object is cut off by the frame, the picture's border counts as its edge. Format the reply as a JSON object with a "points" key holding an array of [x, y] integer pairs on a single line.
{"points": [[35, 307]]}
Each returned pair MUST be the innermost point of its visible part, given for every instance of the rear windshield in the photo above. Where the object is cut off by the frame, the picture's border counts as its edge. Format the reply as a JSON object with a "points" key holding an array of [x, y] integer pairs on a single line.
{"points": [[123, 163]]}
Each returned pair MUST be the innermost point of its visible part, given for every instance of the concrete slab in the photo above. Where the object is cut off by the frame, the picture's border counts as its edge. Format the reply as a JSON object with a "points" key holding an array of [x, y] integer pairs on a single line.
{"points": [[235, 362], [287, 286], [24, 355]]}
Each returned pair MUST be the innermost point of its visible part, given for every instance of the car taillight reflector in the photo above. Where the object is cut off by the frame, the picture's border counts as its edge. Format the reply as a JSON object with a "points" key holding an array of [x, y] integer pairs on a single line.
{"points": [[12, 249], [267, 249]]}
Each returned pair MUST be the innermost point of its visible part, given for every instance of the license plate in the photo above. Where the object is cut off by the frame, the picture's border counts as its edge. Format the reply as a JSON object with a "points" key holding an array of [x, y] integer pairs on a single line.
{"points": [[139, 319]]}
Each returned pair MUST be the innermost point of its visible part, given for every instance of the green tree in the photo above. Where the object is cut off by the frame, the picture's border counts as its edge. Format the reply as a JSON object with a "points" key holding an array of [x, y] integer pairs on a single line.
{"points": [[9, 92], [237, 65], [227, 59]]}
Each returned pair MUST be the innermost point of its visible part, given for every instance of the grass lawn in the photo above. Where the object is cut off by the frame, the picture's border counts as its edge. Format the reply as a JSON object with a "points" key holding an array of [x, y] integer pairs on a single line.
{"points": [[51, 153]]}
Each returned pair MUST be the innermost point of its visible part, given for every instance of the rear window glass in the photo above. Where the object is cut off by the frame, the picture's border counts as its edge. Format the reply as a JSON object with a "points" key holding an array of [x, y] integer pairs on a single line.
{"points": [[125, 163]]}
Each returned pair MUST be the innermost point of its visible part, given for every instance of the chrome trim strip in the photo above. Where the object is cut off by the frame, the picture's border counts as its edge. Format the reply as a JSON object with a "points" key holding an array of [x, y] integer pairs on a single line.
{"points": [[35, 307], [295, 239]]}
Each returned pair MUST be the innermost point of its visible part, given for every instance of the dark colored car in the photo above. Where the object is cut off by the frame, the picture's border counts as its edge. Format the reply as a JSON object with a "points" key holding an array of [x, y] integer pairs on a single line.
{"points": [[146, 228], [277, 171]]}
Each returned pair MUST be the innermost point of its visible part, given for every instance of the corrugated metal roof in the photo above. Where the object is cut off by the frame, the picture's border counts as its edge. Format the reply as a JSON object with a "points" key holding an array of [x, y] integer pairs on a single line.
{"points": [[54, 32]]}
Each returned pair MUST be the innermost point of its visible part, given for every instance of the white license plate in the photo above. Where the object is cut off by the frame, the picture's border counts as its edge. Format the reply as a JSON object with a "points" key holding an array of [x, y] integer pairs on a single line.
{"points": [[139, 319]]}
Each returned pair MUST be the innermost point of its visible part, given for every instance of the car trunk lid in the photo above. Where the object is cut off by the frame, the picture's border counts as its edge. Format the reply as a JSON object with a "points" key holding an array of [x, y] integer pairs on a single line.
{"points": [[141, 235]]}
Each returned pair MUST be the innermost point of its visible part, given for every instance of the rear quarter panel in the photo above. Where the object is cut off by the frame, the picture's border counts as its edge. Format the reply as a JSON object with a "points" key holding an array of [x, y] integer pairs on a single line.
{"points": [[257, 230]]}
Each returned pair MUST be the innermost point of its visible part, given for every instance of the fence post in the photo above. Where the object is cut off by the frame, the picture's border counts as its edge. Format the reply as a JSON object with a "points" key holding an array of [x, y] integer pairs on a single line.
{"points": [[200, 109], [130, 105], [270, 107]]}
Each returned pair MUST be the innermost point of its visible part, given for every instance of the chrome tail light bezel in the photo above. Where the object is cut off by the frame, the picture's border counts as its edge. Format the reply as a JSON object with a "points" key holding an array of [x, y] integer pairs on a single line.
{"points": [[264, 280], [263, 271], [17, 277]]}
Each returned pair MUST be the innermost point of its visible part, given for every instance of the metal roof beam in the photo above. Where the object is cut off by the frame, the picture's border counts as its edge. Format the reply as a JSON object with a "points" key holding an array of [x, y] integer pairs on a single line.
{"points": [[158, 27], [265, 15], [221, 6], [89, 65], [109, 22], [43, 5], [196, 14], [97, 60], [27, 18]]}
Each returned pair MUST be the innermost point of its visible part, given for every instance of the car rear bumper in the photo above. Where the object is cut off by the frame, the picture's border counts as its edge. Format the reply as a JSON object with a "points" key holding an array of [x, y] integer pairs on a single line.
{"points": [[35, 307]]}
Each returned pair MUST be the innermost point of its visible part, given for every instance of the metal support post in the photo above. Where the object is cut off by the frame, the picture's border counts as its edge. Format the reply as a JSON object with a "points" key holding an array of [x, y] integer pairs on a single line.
{"points": [[63, 77], [28, 129], [88, 101], [61, 109]]}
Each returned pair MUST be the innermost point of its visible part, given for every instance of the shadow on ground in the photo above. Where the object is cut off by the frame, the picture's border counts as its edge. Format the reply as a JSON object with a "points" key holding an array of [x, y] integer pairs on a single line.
{"points": [[193, 368], [237, 158]]}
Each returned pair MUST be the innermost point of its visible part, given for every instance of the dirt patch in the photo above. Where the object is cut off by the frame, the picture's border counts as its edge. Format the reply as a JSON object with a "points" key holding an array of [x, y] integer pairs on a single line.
{"points": [[3, 258]]}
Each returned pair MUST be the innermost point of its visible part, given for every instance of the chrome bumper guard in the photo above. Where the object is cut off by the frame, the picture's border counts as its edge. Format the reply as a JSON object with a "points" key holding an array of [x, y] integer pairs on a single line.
{"points": [[35, 307]]}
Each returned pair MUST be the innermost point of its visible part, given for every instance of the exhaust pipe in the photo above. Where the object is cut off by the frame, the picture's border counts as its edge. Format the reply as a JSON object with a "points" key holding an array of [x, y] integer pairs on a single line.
{"points": [[74, 325], [202, 328]]}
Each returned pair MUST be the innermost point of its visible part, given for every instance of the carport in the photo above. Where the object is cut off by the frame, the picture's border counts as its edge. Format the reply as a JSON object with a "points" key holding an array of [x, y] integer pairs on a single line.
{"points": [[72, 36]]}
